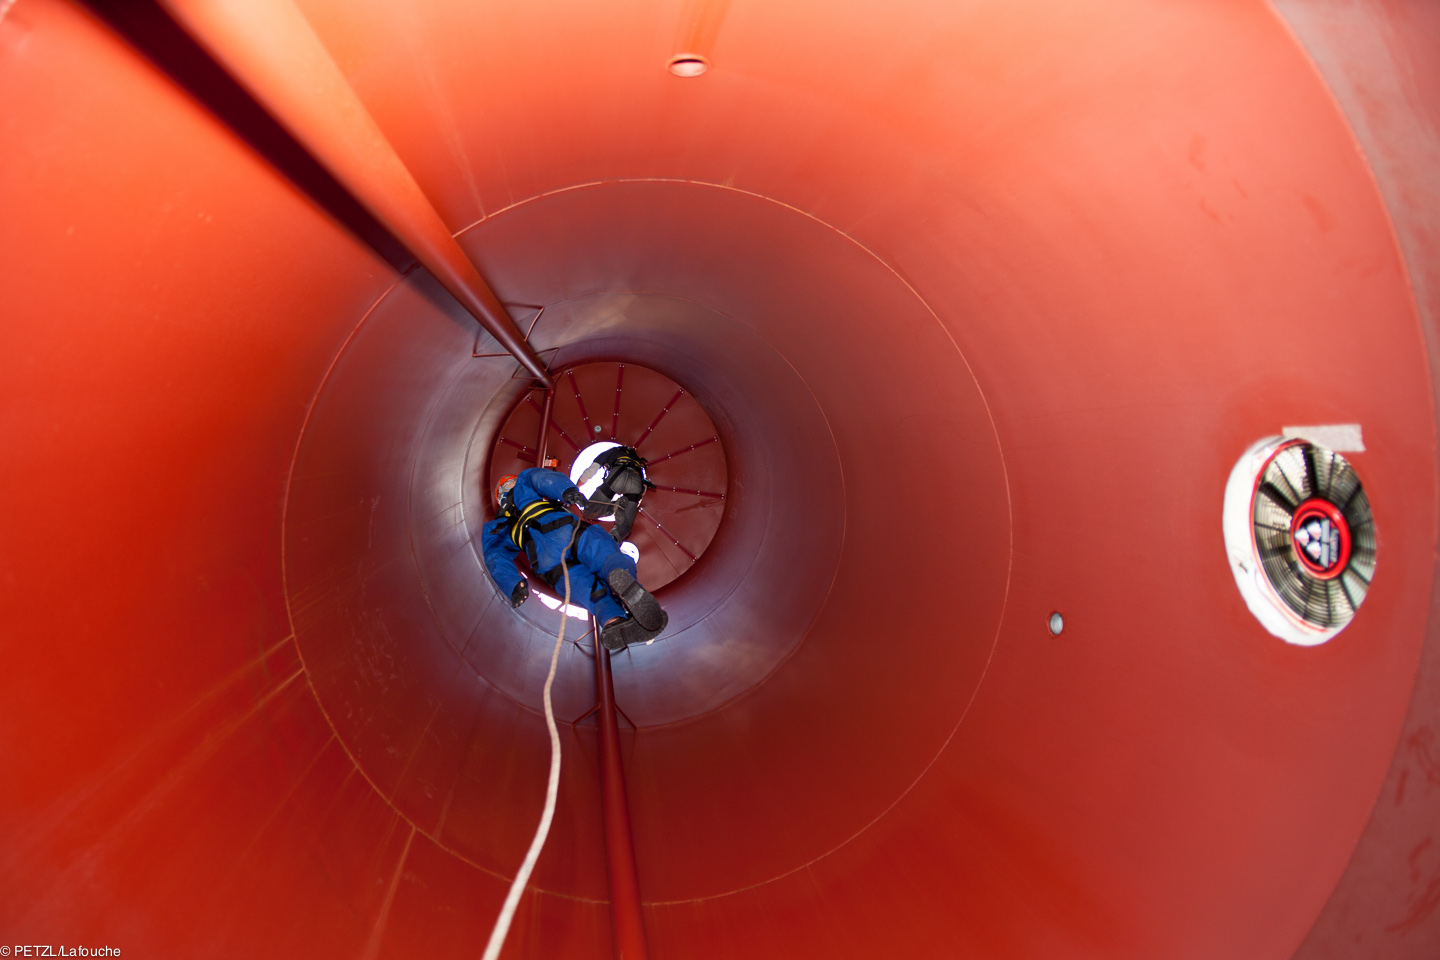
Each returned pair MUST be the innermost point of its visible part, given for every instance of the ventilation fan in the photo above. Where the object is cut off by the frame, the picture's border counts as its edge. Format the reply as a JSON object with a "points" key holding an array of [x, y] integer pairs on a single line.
{"points": [[1310, 553]]}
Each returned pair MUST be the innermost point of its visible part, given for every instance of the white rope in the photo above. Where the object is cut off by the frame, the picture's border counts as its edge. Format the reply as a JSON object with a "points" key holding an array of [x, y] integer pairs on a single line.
{"points": [[517, 886]]}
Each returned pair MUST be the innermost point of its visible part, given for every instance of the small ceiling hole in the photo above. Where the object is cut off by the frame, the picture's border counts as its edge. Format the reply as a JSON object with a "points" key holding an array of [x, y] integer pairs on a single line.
{"points": [[1057, 623], [688, 65]]}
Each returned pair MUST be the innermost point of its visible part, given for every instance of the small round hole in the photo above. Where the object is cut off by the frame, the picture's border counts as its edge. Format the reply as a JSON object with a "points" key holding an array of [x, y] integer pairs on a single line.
{"points": [[1057, 623], [688, 65]]}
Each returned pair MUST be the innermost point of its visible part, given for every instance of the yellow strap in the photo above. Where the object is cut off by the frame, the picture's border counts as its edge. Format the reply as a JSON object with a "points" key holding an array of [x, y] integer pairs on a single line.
{"points": [[531, 513]]}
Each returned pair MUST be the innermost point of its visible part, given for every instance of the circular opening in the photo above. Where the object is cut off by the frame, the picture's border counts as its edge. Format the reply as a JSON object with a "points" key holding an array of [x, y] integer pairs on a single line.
{"points": [[1057, 623], [599, 404], [1300, 538], [584, 472], [688, 65], [1308, 504]]}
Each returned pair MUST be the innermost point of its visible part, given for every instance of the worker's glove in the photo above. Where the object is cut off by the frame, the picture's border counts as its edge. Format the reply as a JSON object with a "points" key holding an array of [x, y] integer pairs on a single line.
{"points": [[520, 594], [573, 497]]}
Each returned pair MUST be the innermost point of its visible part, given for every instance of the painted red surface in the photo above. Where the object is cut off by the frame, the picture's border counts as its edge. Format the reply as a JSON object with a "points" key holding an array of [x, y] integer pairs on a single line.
{"points": [[984, 301], [1378, 56]]}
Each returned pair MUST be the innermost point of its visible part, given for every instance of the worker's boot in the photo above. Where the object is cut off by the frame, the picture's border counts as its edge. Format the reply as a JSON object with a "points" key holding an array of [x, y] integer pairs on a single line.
{"points": [[624, 518], [622, 633], [642, 606]]}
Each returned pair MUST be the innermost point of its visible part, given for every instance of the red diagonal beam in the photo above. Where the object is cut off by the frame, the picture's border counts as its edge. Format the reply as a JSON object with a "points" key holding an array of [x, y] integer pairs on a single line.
{"points": [[589, 427], [270, 49], [697, 493], [658, 417], [693, 446], [615, 420], [525, 452], [661, 527]]}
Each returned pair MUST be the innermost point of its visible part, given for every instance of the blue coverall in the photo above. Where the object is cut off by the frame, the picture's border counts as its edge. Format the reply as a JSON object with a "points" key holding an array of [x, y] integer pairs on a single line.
{"points": [[596, 550]]}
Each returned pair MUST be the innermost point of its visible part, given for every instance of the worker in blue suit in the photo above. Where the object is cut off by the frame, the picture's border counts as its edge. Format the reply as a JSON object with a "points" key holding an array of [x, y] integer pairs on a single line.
{"points": [[533, 517]]}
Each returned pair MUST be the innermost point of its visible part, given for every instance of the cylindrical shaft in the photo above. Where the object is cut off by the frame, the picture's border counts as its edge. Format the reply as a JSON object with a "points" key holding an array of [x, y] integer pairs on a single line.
{"points": [[627, 925], [269, 48]]}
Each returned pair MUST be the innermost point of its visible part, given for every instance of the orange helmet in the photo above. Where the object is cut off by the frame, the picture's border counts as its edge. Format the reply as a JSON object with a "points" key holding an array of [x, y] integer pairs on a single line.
{"points": [[503, 488]]}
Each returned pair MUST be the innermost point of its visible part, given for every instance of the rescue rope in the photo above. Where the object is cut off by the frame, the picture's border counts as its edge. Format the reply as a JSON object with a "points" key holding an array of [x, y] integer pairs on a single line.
{"points": [[517, 886]]}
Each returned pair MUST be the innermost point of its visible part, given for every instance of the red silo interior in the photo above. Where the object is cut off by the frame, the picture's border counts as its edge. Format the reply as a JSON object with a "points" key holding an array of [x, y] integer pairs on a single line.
{"points": [[983, 300]]}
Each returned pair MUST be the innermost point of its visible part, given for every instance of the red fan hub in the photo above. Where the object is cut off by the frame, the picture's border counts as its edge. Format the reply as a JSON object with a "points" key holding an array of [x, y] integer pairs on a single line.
{"points": [[1321, 538]]}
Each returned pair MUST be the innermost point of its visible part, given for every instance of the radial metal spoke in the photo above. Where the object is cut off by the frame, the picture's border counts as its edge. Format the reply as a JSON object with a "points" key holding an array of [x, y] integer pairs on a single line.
{"points": [[525, 453], [695, 493], [589, 427], [668, 535], [658, 417], [693, 446], [615, 419]]}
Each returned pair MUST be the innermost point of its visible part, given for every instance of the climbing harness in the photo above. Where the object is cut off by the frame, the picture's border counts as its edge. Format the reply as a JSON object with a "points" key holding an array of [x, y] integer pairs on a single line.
{"points": [[625, 459], [525, 521]]}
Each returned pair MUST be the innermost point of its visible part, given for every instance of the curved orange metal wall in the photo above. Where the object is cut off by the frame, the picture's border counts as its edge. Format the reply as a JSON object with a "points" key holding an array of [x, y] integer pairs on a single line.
{"points": [[984, 299]]}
